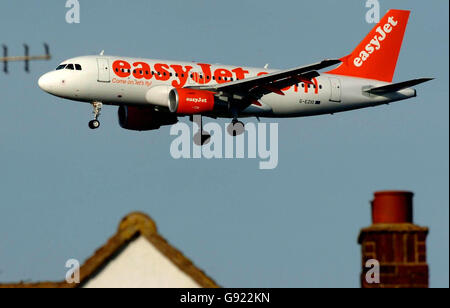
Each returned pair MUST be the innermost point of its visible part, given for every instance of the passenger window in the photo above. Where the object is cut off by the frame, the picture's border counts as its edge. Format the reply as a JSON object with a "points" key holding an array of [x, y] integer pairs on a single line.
{"points": [[69, 67], [62, 66], [78, 67]]}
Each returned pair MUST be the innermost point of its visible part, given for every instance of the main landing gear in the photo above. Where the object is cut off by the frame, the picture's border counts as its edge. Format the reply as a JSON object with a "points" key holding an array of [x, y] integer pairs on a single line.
{"points": [[235, 128], [97, 108], [201, 137]]}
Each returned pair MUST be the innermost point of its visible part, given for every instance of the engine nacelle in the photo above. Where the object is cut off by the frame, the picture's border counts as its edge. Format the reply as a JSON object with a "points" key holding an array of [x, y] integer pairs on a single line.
{"points": [[143, 118], [158, 95], [191, 101]]}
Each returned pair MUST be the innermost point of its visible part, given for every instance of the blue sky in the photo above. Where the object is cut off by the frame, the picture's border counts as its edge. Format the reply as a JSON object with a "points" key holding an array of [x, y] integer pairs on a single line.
{"points": [[64, 188]]}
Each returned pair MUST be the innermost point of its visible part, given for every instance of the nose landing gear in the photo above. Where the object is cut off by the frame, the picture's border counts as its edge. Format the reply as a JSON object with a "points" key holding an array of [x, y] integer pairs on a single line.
{"points": [[94, 124], [97, 108]]}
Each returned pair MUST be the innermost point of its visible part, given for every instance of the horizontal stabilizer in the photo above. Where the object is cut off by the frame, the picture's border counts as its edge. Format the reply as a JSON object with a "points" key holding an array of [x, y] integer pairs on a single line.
{"points": [[398, 86]]}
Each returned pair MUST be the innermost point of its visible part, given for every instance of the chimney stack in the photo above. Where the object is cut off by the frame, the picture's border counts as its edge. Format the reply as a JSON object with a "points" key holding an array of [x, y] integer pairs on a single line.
{"points": [[394, 243]]}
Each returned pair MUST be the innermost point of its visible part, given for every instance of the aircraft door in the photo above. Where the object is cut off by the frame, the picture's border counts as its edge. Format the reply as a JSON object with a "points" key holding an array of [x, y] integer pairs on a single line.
{"points": [[335, 90], [103, 70]]}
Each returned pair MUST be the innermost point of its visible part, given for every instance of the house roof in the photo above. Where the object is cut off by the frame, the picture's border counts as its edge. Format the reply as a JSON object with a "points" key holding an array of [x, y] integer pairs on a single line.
{"points": [[133, 225]]}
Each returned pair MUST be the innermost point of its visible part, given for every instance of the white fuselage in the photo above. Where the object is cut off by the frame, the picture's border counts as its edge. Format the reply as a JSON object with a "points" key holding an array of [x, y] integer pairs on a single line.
{"points": [[145, 82]]}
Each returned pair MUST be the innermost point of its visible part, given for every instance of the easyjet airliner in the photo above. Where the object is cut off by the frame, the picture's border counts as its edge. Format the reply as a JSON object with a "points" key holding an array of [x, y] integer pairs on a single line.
{"points": [[153, 93]]}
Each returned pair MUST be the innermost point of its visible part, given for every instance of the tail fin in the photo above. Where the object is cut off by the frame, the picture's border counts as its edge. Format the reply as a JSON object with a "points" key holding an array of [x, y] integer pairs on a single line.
{"points": [[376, 56]]}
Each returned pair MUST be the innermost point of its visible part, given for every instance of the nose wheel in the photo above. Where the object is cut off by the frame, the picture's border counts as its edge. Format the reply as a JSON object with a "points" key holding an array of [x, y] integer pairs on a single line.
{"points": [[97, 108], [94, 124]]}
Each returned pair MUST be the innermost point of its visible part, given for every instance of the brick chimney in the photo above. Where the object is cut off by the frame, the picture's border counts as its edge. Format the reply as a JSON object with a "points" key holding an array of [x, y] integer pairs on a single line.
{"points": [[396, 244]]}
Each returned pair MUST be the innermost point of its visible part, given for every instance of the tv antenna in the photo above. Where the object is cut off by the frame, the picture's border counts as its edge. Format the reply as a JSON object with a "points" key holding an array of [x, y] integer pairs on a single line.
{"points": [[26, 58]]}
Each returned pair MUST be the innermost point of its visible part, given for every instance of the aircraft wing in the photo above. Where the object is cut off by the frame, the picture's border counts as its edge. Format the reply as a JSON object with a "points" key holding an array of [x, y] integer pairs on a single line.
{"points": [[258, 86]]}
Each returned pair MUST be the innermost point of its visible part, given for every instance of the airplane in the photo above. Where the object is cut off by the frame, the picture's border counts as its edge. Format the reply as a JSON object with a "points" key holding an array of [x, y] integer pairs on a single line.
{"points": [[152, 93]]}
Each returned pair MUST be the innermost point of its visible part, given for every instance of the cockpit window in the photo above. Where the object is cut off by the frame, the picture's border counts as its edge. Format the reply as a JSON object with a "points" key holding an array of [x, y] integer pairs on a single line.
{"points": [[69, 67]]}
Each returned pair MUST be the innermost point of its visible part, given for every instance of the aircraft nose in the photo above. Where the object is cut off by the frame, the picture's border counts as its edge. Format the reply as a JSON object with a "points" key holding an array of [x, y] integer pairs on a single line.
{"points": [[45, 82]]}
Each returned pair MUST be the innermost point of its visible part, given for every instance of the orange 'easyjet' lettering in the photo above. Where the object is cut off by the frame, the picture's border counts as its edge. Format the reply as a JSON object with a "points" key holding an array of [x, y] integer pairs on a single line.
{"points": [[121, 68], [182, 74], [240, 72], [220, 74], [142, 70], [162, 71]]}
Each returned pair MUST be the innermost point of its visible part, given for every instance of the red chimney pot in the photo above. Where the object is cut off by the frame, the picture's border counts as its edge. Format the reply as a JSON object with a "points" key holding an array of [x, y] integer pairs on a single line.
{"points": [[392, 207]]}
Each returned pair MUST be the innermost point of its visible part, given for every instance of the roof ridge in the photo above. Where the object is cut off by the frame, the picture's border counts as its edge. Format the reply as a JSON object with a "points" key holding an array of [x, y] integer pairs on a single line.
{"points": [[130, 227]]}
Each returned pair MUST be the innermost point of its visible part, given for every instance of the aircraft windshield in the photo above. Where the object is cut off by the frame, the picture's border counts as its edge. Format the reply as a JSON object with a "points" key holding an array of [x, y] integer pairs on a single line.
{"points": [[69, 67]]}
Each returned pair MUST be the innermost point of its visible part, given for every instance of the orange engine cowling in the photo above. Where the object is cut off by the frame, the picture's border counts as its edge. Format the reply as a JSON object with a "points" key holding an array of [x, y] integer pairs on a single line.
{"points": [[143, 118], [190, 101]]}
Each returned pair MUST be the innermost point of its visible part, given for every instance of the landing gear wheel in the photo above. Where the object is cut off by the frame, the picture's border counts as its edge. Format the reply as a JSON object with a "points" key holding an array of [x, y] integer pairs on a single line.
{"points": [[202, 139], [94, 124], [97, 108], [235, 128]]}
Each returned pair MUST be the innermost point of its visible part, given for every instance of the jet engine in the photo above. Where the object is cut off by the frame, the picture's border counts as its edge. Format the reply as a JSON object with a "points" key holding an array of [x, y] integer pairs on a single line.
{"points": [[191, 101]]}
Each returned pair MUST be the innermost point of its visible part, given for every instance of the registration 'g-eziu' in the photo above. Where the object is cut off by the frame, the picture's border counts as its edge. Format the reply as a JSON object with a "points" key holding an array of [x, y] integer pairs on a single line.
{"points": [[153, 93]]}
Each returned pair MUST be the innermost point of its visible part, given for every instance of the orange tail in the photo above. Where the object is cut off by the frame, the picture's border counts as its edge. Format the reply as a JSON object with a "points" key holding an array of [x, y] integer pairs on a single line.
{"points": [[376, 56]]}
